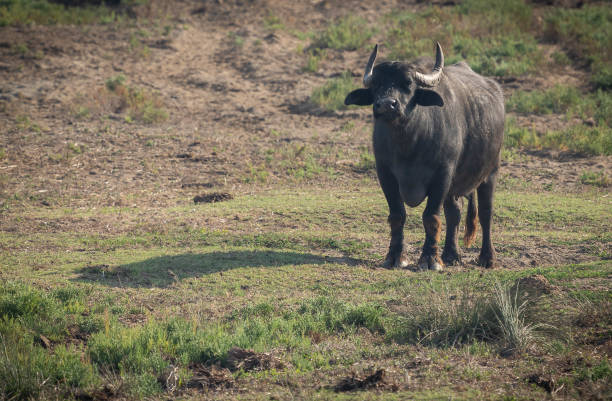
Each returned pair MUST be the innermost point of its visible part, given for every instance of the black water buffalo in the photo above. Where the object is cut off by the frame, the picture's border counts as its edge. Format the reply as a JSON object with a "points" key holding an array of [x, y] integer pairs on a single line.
{"points": [[437, 135]]}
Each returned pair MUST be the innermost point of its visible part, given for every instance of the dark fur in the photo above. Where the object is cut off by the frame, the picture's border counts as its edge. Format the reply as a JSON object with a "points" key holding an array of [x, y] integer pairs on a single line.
{"points": [[438, 143]]}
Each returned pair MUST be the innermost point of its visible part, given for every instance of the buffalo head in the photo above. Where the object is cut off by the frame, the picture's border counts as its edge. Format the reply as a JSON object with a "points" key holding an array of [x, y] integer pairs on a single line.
{"points": [[396, 88]]}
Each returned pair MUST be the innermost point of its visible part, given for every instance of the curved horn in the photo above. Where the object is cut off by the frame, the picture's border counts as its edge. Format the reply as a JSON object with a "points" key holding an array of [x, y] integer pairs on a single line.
{"points": [[367, 76], [432, 79]]}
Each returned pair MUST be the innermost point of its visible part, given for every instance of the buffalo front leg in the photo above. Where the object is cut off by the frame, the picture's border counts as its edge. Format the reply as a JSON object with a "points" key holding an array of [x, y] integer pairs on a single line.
{"points": [[431, 222], [485, 191], [452, 212], [397, 217]]}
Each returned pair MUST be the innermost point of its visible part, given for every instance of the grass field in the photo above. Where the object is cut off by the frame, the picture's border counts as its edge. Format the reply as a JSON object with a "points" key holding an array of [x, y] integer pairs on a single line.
{"points": [[118, 282]]}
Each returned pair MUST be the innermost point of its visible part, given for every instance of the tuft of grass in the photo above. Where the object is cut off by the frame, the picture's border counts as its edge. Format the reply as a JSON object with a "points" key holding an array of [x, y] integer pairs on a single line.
{"points": [[273, 22], [331, 95], [114, 83], [25, 123], [445, 319], [596, 178], [27, 371], [348, 33], [519, 137], [315, 56], [237, 39], [118, 97], [516, 335], [366, 160], [449, 319]]}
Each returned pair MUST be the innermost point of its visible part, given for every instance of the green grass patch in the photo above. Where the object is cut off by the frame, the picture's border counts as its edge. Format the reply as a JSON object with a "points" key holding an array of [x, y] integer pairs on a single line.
{"points": [[582, 139], [585, 33], [492, 40], [558, 99], [579, 138], [315, 56], [29, 317], [44, 12], [348, 33], [331, 95], [567, 100], [596, 178]]}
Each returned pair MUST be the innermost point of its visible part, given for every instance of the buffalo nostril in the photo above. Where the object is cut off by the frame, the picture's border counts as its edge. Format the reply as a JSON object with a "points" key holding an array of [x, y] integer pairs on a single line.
{"points": [[386, 105]]}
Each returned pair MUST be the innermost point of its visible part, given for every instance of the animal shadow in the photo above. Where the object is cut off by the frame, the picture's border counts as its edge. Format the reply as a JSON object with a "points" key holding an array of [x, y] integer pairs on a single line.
{"points": [[163, 271]]}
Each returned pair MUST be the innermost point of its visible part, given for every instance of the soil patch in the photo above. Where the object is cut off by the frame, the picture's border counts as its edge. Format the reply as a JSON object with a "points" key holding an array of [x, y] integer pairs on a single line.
{"points": [[533, 286], [374, 380], [210, 377], [213, 197], [248, 360]]}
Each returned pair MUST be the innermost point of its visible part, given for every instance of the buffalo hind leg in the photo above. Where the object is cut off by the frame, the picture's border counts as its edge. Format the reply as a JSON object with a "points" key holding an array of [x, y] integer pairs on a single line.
{"points": [[485, 191], [452, 211], [397, 217]]}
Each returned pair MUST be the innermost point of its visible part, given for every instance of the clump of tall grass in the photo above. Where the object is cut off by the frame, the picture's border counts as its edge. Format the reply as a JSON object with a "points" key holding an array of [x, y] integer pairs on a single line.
{"points": [[446, 319], [515, 333], [449, 319]]}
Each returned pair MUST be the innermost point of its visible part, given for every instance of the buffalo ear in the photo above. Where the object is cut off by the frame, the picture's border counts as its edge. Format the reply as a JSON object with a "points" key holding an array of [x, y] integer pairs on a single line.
{"points": [[360, 97], [427, 97]]}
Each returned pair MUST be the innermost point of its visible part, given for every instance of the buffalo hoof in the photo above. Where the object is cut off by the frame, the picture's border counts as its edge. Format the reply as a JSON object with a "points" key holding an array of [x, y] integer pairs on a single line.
{"points": [[451, 257], [430, 262], [487, 261], [395, 260]]}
